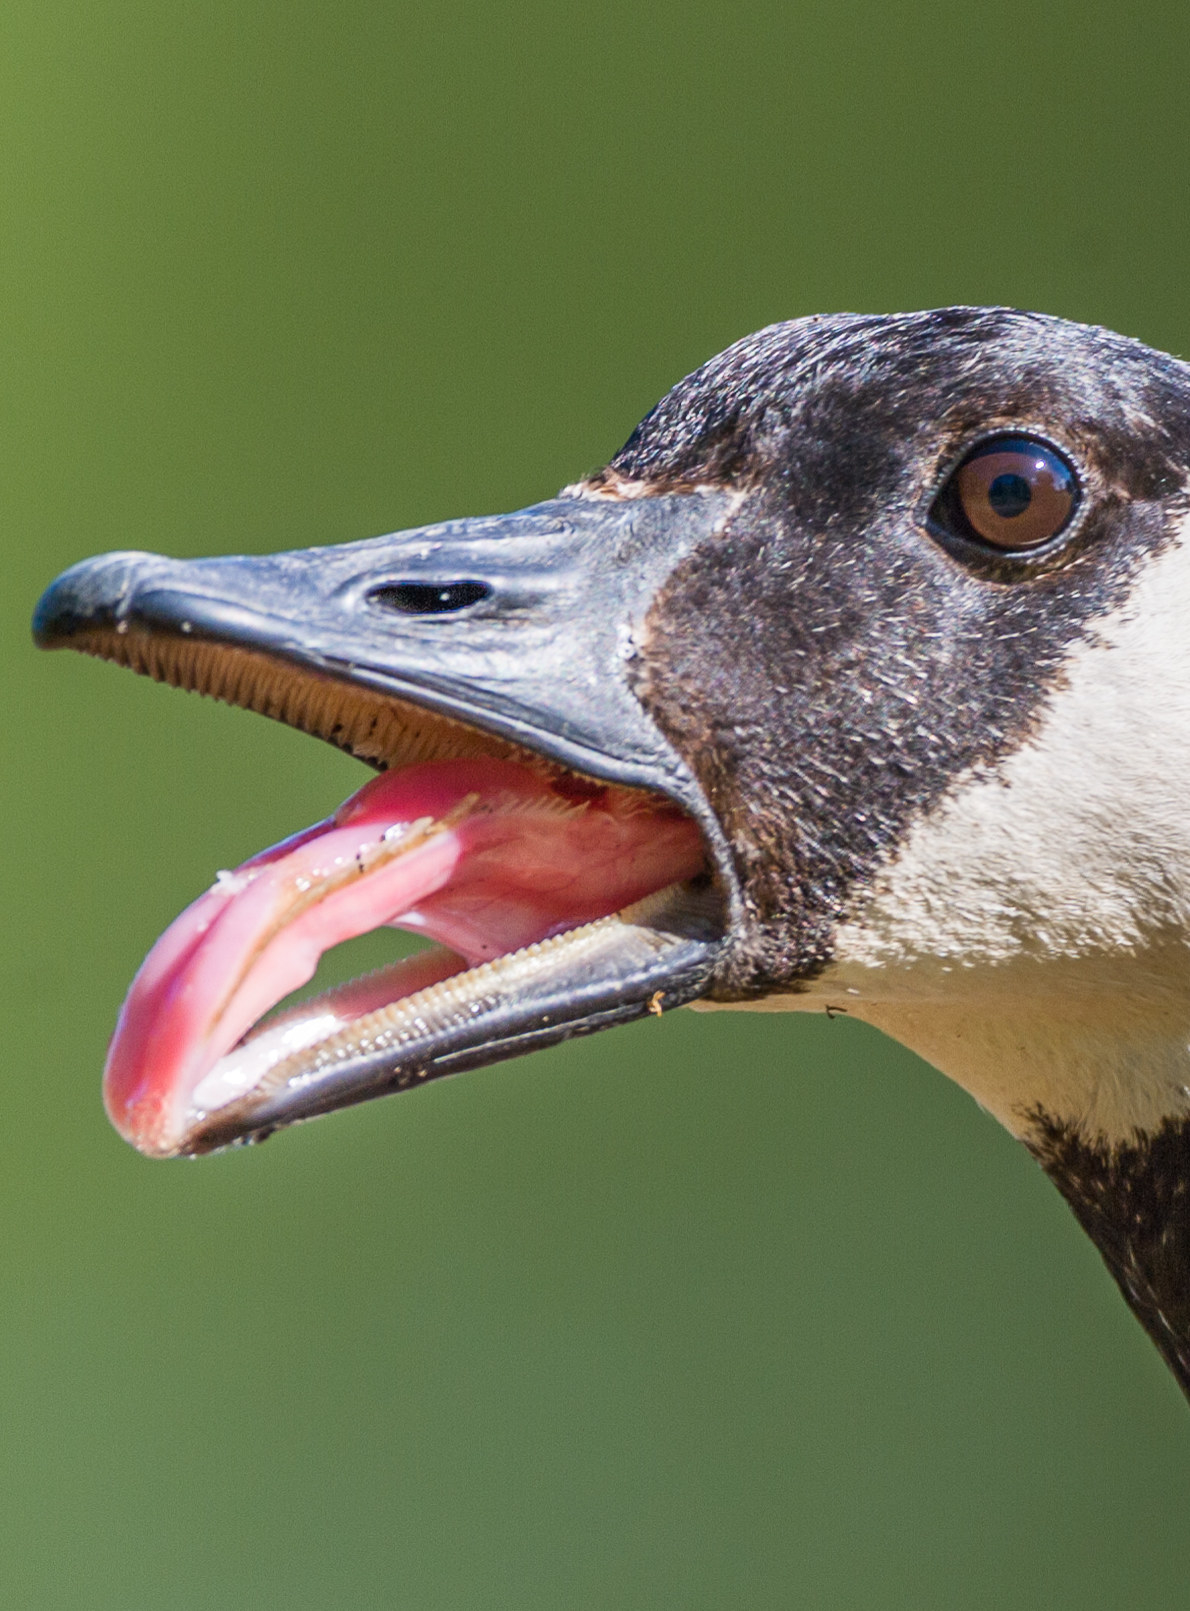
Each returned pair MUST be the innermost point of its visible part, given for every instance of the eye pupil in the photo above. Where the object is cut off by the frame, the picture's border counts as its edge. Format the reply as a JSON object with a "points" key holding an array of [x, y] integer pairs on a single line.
{"points": [[1010, 495]]}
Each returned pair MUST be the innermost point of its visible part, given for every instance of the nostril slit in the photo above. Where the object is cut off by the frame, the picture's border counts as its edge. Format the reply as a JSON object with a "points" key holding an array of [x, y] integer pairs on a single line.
{"points": [[428, 598]]}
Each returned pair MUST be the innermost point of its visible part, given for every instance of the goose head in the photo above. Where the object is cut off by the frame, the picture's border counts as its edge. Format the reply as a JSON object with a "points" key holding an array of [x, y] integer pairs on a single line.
{"points": [[857, 681]]}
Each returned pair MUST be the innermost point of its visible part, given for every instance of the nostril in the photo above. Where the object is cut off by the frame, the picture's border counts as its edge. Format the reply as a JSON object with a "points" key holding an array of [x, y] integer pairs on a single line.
{"points": [[428, 598]]}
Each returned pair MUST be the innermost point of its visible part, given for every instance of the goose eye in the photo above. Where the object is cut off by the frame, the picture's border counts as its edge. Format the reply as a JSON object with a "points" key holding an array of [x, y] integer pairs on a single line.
{"points": [[1011, 491]]}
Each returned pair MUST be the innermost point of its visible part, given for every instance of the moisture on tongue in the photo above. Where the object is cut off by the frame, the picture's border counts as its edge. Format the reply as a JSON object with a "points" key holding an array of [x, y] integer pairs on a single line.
{"points": [[483, 855]]}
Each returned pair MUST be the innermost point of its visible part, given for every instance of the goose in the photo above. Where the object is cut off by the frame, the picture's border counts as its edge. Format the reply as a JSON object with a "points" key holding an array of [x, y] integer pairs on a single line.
{"points": [[858, 680]]}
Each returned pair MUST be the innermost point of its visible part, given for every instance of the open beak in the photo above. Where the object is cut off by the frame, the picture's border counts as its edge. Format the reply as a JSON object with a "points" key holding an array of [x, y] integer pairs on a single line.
{"points": [[531, 818]]}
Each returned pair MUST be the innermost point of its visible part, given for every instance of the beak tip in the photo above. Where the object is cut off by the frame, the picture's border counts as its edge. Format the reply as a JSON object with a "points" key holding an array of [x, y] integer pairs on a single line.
{"points": [[93, 593]]}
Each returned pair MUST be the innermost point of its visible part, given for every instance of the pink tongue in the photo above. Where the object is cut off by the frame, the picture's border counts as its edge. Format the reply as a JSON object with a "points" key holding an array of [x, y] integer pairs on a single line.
{"points": [[513, 867]]}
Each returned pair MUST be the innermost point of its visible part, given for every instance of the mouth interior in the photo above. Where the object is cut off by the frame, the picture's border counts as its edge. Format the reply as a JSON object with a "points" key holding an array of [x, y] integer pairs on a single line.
{"points": [[484, 855]]}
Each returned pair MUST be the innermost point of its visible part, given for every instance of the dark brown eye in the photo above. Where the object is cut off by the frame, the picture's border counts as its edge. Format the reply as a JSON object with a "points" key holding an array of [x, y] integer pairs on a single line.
{"points": [[1012, 492]]}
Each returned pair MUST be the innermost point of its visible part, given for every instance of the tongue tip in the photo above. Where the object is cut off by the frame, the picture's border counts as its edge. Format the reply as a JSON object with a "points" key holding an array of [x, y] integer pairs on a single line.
{"points": [[144, 1126], [159, 1131], [165, 1136], [145, 1112]]}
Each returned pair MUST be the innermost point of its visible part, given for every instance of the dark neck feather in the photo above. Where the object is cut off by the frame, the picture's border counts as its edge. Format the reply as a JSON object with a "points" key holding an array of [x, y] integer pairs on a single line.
{"points": [[1134, 1203]]}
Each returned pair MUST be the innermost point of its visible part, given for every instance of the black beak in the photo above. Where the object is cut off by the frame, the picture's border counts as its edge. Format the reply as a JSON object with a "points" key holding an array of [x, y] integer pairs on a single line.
{"points": [[523, 628]]}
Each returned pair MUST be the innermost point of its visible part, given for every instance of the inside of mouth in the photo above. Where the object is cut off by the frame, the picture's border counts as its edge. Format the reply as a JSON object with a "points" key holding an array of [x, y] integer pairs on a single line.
{"points": [[482, 855]]}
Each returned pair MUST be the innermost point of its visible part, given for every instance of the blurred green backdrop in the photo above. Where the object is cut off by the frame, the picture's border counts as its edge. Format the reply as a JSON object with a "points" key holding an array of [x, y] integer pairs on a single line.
{"points": [[713, 1313]]}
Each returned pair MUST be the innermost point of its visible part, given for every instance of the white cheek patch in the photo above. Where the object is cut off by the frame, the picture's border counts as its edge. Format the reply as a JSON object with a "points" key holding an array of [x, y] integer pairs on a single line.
{"points": [[1080, 841], [1030, 936]]}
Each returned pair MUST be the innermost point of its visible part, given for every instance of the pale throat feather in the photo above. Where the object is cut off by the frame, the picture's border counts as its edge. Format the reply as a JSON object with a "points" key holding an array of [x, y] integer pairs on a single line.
{"points": [[1029, 936]]}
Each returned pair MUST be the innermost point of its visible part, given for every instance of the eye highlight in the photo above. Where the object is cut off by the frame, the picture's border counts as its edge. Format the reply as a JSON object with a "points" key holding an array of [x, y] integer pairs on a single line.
{"points": [[1011, 492]]}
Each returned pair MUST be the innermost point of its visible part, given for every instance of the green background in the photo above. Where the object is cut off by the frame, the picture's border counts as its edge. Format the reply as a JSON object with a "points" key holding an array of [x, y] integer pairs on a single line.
{"points": [[712, 1313]]}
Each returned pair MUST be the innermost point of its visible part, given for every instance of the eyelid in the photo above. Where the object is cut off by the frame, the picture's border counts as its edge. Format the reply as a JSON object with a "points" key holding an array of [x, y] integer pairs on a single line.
{"points": [[963, 511]]}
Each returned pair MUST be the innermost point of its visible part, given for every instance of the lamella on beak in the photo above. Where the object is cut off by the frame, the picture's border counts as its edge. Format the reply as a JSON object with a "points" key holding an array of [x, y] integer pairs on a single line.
{"points": [[533, 819]]}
